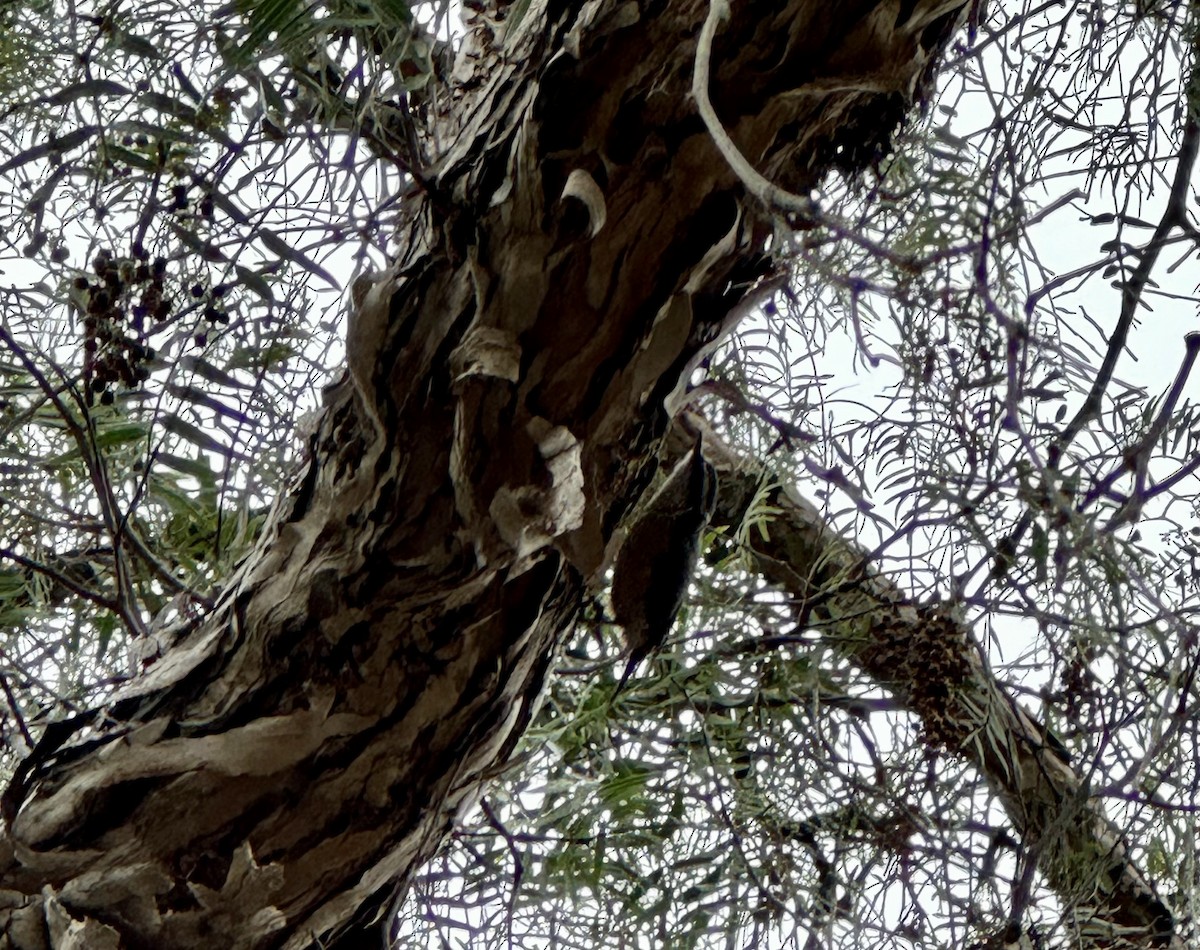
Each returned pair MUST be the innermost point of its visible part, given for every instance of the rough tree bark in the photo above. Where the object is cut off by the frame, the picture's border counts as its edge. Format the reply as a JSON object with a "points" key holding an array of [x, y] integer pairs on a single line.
{"points": [[303, 750]]}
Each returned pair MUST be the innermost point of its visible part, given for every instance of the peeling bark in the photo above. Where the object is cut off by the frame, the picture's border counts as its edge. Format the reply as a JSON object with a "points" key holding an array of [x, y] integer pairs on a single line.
{"points": [[299, 754]]}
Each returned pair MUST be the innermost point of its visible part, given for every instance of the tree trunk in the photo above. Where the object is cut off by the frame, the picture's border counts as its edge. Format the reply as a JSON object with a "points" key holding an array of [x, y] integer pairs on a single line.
{"points": [[304, 749]]}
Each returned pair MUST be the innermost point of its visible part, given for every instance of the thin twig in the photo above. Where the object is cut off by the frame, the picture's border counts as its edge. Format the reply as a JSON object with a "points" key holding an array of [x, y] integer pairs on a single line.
{"points": [[798, 208]]}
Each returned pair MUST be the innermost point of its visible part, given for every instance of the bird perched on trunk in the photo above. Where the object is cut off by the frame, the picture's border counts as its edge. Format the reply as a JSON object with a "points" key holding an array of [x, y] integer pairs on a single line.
{"points": [[659, 554]]}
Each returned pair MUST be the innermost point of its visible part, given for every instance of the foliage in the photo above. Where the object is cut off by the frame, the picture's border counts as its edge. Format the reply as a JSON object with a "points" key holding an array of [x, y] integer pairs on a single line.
{"points": [[188, 190], [182, 211]]}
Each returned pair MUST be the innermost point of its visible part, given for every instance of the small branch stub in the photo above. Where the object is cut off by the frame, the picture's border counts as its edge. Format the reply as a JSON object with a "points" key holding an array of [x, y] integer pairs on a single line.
{"points": [[657, 559]]}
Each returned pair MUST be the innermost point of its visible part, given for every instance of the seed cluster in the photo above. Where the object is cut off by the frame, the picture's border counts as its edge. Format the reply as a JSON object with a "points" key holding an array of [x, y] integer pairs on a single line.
{"points": [[114, 326]]}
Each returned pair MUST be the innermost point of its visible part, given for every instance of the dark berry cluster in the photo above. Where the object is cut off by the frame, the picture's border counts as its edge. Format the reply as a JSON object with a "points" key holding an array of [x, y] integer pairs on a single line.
{"points": [[114, 348], [214, 312]]}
